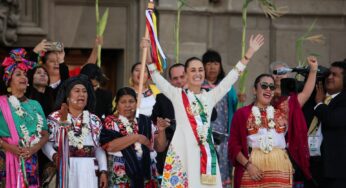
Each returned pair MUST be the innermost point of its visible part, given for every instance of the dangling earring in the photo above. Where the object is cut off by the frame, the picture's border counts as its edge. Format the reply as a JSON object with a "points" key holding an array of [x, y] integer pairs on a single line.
{"points": [[130, 82], [9, 90]]}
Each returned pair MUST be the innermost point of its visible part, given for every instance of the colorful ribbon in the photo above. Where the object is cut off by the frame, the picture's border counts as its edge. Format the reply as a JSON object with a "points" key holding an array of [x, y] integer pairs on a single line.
{"points": [[63, 153], [157, 54], [16, 60]]}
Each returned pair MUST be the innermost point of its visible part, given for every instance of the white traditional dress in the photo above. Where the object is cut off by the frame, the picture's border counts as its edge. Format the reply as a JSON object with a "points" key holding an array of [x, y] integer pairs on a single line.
{"points": [[185, 166], [84, 156]]}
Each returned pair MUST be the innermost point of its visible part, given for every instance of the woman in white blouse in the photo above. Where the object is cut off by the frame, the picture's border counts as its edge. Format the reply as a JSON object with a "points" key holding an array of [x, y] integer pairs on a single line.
{"points": [[191, 158]]}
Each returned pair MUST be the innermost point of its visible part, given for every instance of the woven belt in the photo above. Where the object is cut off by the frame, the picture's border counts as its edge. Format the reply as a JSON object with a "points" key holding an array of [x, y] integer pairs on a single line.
{"points": [[86, 151]]}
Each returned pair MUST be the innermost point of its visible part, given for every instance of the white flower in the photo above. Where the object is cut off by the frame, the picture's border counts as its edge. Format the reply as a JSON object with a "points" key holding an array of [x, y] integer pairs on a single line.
{"points": [[270, 116], [78, 141], [138, 148], [257, 114]]}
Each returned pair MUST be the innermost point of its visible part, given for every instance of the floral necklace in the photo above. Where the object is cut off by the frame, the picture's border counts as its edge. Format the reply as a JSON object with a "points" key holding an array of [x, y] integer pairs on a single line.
{"points": [[130, 128], [266, 141], [197, 108], [78, 141], [28, 140]]}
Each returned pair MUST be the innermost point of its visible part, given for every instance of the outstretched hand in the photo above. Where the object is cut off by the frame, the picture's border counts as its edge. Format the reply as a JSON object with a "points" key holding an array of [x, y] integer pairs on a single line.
{"points": [[43, 46], [256, 42], [312, 60]]}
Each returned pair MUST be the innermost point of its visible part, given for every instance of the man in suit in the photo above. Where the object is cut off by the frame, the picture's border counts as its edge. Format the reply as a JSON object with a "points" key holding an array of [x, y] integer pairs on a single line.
{"points": [[331, 111]]}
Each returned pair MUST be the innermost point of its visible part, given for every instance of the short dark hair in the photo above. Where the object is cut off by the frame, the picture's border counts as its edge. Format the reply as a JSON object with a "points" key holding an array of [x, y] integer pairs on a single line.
{"points": [[94, 72], [214, 56], [258, 79], [45, 57], [341, 65], [188, 61], [174, 66]]}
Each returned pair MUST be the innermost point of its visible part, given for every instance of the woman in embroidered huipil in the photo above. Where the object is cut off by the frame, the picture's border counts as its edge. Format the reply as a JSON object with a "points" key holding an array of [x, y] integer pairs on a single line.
{"points": [[23, 127], [129, 142], [75, 123], [191, 158], [258, 142]]}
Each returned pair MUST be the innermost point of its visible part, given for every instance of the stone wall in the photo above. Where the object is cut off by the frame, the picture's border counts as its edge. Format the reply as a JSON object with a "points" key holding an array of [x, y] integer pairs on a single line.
{"points": [[218, 26]]}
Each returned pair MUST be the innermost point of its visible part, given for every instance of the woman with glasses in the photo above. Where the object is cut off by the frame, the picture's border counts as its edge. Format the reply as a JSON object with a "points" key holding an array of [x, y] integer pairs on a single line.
{"points": [[257, 145], [263, 135]]}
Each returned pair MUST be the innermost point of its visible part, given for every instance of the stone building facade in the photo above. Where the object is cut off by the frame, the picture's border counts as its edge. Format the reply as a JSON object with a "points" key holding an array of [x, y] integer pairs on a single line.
{"points": [[205, 24]]}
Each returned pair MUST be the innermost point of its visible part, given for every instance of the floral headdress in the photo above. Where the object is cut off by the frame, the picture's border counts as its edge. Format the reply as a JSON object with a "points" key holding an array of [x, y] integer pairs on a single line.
{"points": [[16, 60]]}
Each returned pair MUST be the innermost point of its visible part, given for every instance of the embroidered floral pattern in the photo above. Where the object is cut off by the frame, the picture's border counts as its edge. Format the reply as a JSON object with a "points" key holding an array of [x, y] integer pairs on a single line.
{"points": [[117, 174], [174, 175], [268, 119], [280, 121], [94, 126]]}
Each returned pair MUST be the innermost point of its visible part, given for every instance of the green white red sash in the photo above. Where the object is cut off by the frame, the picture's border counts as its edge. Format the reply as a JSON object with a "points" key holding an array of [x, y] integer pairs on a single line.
{"points": [[208, 153]]}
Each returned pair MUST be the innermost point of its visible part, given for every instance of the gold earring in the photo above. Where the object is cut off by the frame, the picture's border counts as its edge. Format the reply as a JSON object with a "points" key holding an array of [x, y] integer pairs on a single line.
{"points": [[9, 89], [130, 82]]}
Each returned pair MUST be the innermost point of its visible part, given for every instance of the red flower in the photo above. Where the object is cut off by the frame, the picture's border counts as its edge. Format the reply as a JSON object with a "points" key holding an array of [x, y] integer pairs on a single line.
{"points": [[168, 167]]}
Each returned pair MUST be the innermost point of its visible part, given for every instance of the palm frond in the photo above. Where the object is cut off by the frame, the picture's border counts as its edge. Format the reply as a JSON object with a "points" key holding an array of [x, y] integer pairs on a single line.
{"points": [[270, 10], [317, 39]]}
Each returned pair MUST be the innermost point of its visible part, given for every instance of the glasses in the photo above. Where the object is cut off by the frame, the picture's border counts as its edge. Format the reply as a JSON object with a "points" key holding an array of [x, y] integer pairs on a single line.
{"points": [[265, 85]]}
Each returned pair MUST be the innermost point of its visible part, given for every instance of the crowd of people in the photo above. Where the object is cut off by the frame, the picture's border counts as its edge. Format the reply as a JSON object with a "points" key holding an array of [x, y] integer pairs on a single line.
{"points": [[60, 127]]}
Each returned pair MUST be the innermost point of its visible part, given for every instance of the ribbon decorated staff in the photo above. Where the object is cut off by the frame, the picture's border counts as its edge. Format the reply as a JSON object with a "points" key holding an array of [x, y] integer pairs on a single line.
{"points": [[157, 54]]}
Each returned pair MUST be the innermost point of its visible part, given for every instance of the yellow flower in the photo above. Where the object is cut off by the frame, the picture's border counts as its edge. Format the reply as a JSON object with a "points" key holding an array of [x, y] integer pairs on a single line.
{"points": [[169, 160]]}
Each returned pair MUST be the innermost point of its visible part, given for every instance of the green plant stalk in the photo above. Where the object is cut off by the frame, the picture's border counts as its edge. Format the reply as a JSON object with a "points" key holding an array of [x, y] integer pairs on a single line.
{"points": [[98, 32], [243, 76], [177, 32]]}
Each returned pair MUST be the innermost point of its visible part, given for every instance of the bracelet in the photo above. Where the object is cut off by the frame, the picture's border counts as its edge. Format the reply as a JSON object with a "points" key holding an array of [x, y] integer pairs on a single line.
{"points": [[103, 172], [246, 58], [247, 164]]}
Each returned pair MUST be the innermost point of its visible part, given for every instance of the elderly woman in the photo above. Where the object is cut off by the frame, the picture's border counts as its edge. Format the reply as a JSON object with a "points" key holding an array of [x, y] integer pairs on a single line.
{"points": [[23, 128], [75, 122], [262, 136], [191, 158], [129, 143]]}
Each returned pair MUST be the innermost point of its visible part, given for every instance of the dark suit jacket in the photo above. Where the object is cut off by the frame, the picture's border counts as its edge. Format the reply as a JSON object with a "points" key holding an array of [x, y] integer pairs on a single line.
{"points": [[333, 119]]}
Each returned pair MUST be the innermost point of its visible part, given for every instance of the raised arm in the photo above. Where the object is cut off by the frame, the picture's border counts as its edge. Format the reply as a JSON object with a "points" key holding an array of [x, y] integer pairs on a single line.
{"points": [[225, 85], [164, 86], [310, 83]]}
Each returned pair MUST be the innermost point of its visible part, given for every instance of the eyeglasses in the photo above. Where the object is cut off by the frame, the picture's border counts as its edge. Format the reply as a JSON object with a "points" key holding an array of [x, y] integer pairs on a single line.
{"points": [[265, 85]]}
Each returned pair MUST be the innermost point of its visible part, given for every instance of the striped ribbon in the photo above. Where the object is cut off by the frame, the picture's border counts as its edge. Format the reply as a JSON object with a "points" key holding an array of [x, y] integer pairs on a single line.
{"points": [[157, 54], [63, 153], [208, 153]]}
